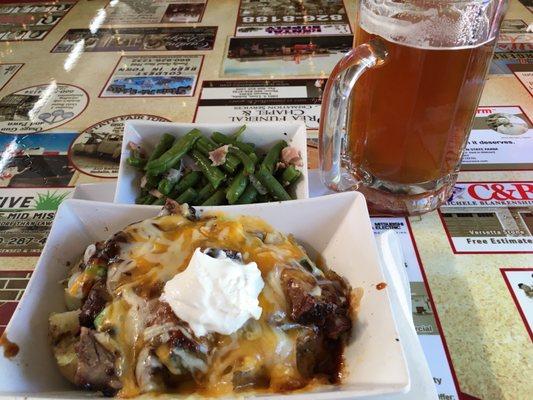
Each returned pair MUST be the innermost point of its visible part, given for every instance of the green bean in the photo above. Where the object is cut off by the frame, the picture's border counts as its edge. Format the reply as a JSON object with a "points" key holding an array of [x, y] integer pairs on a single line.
{"points": [[235, 135], [264, 198], [202, 182], [253, 157], [272, 157], [231, 163], [206, 145], [188, 196], [173, 155], [159, 201], [165, 186], [169, 181], [96, 270], [149, 199], [216, 198], [142, 198], [248, 163], [258, 185], [274, 187], [204, 193], [151, 181], [135, 160], [290, 175], [164, 144], [187, 181], [99, 319], [215, 175], [220, 138], [249, 195], [213, 185], [236, 187], [246, 147]]}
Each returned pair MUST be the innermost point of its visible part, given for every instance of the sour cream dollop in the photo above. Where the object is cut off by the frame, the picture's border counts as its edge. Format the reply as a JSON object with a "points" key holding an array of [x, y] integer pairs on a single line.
{"points": [[215, 294]]}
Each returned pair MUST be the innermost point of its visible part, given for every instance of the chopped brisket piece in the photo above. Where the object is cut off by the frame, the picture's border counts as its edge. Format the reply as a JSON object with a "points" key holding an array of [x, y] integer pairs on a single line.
{"points": [[96, 365], [107, 252], [182, 338], [95, 302], [323, 304]]}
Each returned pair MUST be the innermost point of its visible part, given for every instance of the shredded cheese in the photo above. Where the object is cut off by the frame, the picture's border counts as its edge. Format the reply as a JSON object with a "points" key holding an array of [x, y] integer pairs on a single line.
{"points": [[159, 248]]}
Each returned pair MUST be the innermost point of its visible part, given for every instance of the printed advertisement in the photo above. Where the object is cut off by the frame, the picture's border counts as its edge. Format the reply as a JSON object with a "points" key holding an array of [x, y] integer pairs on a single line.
{"points": [[528, 4], [502, 61], [514, 37], [513, 26], [501, 139], [138, 39], [514, 47], [519, 281], [490, 217], [524, 73], [289, 56], [96, 151], [261, 101], [36, 160], [424, 316], [12, 286], [136, 12], [26, 216], [8, 71], [40, 108], [288, 17], [154, 76], [30, 20]]}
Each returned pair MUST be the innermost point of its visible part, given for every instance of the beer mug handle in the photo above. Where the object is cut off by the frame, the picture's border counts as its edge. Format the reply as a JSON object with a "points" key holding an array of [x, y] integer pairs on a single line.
{"points": [[335, 104]]}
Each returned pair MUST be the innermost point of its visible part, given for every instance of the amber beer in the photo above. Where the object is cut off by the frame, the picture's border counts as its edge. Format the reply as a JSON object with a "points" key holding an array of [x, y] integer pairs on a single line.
{"points": [[409, 118], [398, 108]]}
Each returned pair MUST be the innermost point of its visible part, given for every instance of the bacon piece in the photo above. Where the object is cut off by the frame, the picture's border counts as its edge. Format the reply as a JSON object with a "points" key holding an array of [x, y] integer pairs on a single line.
{"points": [[173, 207], [144, 181], [136, 147], [291, 156], [170, 207], [133, 146], [156, 193], [218, 156]]}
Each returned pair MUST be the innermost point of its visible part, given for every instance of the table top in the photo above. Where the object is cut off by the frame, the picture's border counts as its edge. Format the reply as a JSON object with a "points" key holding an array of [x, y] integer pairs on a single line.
{"points": [[72, 71]]}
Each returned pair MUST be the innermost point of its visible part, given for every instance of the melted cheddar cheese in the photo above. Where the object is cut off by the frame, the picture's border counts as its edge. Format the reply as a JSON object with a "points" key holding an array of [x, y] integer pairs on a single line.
{"points": [[153, 252]]}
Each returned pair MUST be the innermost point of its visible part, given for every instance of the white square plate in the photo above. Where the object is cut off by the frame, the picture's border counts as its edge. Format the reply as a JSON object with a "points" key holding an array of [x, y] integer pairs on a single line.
{"points": [[335, 226], [148, 133]]}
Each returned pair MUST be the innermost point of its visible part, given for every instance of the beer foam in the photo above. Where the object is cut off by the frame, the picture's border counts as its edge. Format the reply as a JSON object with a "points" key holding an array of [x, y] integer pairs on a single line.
{"points": [[431, 24]]}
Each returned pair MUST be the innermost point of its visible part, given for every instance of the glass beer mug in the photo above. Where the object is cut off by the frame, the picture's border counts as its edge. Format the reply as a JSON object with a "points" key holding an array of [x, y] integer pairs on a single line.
{"points": [[398, 108]]}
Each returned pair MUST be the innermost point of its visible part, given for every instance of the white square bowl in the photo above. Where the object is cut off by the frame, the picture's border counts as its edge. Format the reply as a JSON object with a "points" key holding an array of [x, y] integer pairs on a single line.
{"points": [[335, 226], [148, 133]]}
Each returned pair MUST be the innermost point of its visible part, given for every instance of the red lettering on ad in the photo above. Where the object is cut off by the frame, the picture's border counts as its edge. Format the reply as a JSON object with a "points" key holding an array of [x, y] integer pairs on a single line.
{"points": [[498, 192]]}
